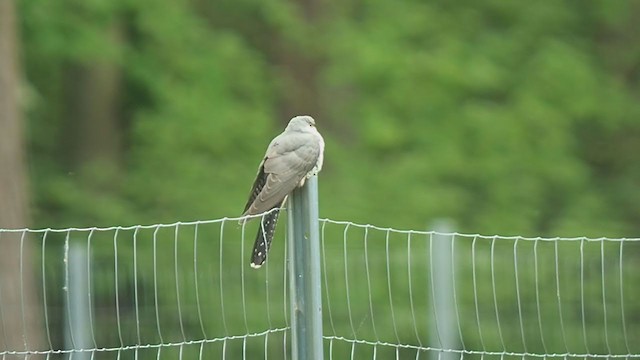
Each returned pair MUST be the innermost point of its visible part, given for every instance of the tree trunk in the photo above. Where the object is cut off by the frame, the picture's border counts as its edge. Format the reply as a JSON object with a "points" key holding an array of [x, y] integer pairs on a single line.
{"points": [[301, 66], [20, 308], [95, 127]]}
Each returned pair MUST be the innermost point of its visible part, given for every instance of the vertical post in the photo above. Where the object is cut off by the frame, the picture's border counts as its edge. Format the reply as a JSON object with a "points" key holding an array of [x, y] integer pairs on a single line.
{"points": [[77, 308], [304, 272], [443, 326]]}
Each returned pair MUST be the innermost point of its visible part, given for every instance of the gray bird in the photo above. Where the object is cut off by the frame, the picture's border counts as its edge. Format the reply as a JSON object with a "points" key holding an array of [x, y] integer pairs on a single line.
{"points": [[291, 158]]}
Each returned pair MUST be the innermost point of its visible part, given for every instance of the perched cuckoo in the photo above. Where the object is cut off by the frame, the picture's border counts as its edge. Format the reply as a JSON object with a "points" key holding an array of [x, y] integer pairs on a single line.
{"points": [[291, 158]]}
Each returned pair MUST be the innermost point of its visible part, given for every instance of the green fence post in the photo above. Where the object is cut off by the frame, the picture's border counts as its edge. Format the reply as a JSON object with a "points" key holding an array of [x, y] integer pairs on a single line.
{"points": [[304, 272]]}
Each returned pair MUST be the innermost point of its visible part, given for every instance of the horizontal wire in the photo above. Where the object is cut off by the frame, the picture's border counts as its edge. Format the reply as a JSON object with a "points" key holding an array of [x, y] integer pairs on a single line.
{"points": [[326, 220], [148, 226], [143, 346], [478, 352], [469, 235]]}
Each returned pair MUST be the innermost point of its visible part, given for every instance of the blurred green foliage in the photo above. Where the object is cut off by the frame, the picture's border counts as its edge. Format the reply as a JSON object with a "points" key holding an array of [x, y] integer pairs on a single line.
{"points": [[508, 117]]}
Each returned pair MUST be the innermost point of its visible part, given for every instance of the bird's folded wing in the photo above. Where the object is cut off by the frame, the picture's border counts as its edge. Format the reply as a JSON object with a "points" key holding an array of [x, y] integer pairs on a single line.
{"points": [[280, 173], [258, 184]]}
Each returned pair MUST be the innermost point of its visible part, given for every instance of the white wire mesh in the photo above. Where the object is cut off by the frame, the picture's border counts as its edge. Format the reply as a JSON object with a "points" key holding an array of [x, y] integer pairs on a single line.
{"points": [[164, 291], [512, 297], [185, 290]]}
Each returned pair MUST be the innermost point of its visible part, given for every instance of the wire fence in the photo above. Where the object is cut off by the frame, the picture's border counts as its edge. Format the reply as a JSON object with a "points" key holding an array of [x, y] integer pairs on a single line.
{"points": [[508, 296], [186, 290]]}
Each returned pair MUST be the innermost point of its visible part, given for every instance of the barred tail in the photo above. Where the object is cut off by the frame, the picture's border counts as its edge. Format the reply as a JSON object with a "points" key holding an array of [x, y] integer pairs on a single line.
{"points": [[265, 235]]}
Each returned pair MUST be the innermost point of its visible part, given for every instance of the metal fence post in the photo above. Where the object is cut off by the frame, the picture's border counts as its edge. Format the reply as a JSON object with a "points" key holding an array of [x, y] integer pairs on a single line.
{"points": [[77, 307], [304, 272], [443, 329]]}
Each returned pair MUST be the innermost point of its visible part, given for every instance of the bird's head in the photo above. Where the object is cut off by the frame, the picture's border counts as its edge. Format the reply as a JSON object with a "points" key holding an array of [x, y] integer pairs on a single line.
{"points": [[301, 123]]}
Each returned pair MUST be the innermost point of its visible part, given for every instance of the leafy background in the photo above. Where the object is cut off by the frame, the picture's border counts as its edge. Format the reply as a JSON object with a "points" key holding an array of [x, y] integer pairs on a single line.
{"points": [[506, 117]]}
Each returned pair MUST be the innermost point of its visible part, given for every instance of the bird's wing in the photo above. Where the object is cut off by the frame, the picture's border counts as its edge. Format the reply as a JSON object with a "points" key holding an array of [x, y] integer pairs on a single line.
{"points": [[288, 160], [258, 184]]}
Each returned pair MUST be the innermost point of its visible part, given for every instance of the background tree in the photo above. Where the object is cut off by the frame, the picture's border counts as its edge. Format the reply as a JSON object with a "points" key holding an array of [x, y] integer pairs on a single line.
{"points": [[19, 301]]}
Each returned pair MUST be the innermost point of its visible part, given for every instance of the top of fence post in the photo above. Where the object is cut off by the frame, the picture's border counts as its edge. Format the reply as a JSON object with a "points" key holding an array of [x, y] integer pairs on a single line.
{"points": [[304, 272]]}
